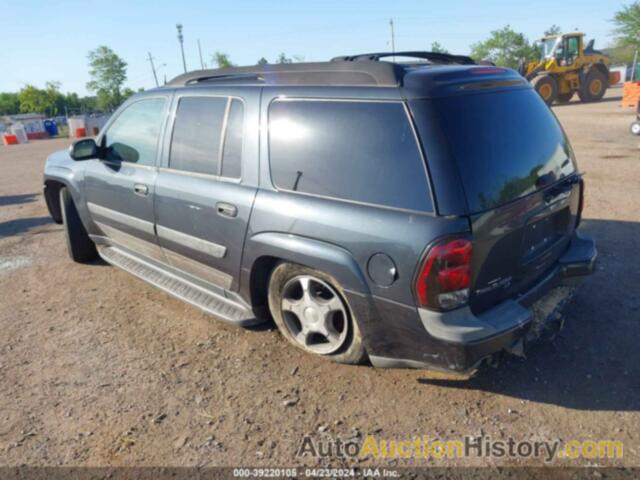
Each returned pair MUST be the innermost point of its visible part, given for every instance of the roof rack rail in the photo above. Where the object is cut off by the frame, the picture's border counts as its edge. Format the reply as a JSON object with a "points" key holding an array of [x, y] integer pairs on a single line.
{"points": [[316, 73], [222, 77], [432, 57]]}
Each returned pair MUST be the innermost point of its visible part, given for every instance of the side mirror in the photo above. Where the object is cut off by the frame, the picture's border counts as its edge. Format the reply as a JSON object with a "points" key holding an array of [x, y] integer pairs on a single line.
{"points": [[84, 149]]}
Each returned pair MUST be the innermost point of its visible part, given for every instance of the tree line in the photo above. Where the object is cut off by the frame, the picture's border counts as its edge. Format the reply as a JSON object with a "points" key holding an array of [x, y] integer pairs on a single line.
{"points": [[108, 72]]}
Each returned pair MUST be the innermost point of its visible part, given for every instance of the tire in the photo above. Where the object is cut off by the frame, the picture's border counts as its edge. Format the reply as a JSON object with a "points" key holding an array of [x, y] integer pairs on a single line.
{"points": [[80, 247], [594, 86], [565, 97], [547, 88], [301, 312], [635, 128]]}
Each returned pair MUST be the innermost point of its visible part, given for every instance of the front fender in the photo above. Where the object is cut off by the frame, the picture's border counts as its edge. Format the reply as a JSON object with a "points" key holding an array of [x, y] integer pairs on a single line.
{"points": [[60, 170]]}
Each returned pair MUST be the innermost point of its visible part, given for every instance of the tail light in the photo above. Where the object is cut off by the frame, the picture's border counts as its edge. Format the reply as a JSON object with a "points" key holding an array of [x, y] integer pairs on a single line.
{"points": [[580, 203], [445, 275]]}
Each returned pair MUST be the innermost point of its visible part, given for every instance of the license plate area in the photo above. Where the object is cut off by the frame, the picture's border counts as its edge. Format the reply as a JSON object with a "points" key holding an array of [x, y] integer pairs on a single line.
{"points": [[542, 236]]}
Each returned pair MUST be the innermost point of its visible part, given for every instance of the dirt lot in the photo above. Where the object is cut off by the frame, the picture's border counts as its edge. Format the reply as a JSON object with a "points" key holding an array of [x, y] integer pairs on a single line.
{"points": [[98, 368]]}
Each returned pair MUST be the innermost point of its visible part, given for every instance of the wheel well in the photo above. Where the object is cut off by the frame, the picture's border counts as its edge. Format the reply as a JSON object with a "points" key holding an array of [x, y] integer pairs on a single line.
{"points": [[52, 198], [602, 68], [259, 283]]}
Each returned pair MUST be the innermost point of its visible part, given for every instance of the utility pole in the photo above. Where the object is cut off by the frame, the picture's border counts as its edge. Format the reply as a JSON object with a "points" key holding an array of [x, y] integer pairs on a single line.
{"points": [[393, 39], [181, 40], [200, 53], [153, 69]]}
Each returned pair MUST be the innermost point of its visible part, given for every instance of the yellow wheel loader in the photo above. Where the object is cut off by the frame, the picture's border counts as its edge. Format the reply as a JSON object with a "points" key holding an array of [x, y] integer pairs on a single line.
{"points": [[566, 67]]}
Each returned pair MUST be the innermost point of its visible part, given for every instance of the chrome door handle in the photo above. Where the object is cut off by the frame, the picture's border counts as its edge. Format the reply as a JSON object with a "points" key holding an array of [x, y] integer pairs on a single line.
{"points": [[140, 189], [226, 209]]}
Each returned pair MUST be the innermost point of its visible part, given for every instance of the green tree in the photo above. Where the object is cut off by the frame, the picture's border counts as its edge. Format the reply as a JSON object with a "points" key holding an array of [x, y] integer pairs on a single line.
{"points": [[282, 58], [552, 30], [33, 100], [108, 73], [262, 61], [55, 99], [437, 48], [9, 103], [222, 59], [504, 47], [627, 22]]}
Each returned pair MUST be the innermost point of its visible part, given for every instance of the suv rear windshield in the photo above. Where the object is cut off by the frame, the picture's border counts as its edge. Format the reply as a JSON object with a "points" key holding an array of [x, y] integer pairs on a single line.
{"points": [[506, 144]]}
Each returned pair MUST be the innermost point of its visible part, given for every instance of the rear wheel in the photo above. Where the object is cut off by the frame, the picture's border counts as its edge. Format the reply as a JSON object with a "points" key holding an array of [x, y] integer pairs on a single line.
{"points": [[547, 88], [565, 97], [80, 247], [635, 128], [593, 87], [311, 313]]}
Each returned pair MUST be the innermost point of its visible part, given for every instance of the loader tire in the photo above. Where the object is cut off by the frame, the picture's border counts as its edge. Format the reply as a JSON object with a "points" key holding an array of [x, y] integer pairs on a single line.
{"points": [[547, 88], [594, 86]]}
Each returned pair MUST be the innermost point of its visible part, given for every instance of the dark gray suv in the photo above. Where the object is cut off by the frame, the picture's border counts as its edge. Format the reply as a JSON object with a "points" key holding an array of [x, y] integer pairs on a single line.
{"points": [[415, 214]]}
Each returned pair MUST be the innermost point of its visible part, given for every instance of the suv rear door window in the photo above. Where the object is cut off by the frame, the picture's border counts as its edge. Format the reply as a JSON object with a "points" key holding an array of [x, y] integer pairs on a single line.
{"points": [[232, 152], [197, 133], [507, 144], [354, 150]]}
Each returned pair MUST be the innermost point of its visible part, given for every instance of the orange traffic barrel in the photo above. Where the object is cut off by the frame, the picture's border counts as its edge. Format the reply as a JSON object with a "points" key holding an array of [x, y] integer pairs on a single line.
{"points": [[81, 132]]}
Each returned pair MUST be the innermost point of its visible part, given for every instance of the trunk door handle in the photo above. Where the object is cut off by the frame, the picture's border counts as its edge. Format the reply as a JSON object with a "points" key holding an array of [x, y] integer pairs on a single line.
{"points": [[140, 189], [226, 209]]}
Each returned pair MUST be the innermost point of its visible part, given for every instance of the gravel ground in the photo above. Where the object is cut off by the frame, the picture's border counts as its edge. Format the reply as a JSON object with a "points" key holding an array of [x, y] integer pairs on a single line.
{"points": [[99, 368]]}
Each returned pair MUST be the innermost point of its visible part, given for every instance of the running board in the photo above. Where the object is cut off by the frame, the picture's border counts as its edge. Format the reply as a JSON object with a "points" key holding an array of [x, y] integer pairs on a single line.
{"points": [[227, 310]]}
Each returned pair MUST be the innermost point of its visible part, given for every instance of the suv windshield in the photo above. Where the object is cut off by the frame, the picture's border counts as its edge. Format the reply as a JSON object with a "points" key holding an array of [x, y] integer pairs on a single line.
{"points": [[506, 144]]}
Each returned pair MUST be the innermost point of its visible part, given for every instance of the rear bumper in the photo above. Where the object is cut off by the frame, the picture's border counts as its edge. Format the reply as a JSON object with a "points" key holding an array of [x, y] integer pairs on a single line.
{"points": [[463, 340]]}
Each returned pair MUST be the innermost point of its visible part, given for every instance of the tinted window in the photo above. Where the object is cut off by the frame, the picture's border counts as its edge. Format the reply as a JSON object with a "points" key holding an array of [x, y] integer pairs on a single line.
{"points": [[362, 151], [232, 154], [197, 132], [133, 136], [506, 144]]}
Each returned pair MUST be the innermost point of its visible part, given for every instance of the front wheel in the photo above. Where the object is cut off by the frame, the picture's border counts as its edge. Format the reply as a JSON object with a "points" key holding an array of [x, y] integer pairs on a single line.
{"points": [[635, 128], [311, 312], [80, 247]]}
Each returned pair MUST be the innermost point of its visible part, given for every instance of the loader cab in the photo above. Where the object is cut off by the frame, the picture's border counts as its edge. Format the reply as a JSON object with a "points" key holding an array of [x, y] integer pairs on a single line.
{"points": [[569, 50]]}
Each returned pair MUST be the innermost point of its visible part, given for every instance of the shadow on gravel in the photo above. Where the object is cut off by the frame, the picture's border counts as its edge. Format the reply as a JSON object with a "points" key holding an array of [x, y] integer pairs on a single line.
{"points": [[22, 225], [576, 101], [594, 363], [17, 199]]}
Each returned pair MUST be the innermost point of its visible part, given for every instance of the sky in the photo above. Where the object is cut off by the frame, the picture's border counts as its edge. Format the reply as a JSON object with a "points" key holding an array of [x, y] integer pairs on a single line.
{"points": [[49, 40]]}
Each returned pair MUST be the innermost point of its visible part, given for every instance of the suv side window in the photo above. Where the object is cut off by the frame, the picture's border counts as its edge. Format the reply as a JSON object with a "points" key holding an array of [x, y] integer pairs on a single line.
{"points": [[207, 136], [364, 151], [232, 151], [197, 133], [133, 135]]}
